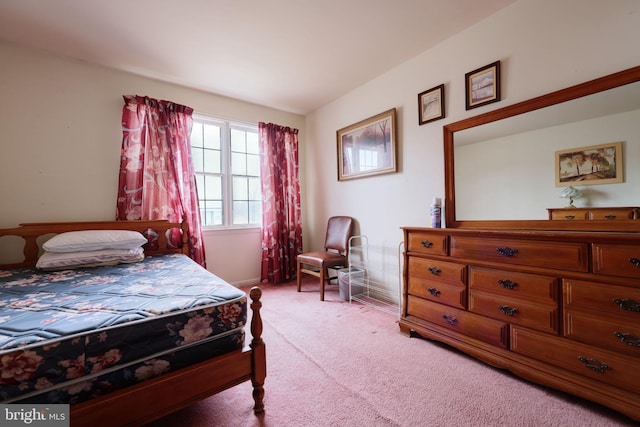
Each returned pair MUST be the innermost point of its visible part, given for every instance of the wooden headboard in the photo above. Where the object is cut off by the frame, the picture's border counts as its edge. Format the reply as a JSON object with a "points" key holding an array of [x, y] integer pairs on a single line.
{"points": [[32, 235]]}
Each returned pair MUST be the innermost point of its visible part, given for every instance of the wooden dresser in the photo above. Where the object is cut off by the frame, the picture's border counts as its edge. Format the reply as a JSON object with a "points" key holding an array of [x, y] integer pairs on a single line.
{"points": [[560, 308]]}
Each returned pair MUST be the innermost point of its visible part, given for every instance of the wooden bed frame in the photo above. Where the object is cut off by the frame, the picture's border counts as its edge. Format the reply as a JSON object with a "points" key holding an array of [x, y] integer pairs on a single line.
{"points": [[155, 398]]}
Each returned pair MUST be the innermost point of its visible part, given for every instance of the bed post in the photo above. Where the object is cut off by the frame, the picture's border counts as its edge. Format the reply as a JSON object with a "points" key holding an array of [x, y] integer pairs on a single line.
{"points": [[184, 226], [258, 355]]}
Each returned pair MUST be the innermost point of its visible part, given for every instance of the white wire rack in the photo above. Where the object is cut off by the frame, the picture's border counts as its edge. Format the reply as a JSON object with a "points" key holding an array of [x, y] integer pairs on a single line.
{"points": [[375, 274]]}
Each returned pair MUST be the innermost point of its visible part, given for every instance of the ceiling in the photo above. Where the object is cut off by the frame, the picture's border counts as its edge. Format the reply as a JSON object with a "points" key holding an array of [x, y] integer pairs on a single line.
{"points": [[293, 55]]}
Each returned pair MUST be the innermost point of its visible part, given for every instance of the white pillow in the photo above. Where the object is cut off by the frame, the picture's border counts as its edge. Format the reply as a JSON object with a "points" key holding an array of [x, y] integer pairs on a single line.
{"points": [[94, 240], [65, 260]]}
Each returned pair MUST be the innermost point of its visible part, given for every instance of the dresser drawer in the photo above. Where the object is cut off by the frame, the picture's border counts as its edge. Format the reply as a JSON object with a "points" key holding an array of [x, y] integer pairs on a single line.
{"points": [[610, 300], [441, 271], [514, 284], [593, 214], [613, 214], [616, 260], [569, 214], [541, 317], [558, 255], [611, 334], [605, 366], [490, 331], [604, 315], [427, 243], [453, 295]]}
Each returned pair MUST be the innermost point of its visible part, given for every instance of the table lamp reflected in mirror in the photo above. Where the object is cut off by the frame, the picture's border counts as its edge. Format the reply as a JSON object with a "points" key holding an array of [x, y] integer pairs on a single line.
{"points": [[571, 193]]}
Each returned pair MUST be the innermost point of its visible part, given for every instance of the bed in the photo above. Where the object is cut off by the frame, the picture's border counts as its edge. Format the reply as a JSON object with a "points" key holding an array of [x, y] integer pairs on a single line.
{"points": [[123, 342]]}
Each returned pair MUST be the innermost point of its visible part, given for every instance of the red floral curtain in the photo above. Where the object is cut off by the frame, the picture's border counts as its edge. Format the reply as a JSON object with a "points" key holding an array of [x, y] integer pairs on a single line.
{"points": [[157, 178], [281, 213]]}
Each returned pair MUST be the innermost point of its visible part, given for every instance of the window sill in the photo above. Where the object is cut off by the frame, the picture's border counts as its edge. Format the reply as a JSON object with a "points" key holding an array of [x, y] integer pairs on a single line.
{"points": [[235, 230]]}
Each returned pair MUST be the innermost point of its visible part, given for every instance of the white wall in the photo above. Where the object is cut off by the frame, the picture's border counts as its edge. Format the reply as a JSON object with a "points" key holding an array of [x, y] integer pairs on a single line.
{"points": [[544, 45], [60, 139]]}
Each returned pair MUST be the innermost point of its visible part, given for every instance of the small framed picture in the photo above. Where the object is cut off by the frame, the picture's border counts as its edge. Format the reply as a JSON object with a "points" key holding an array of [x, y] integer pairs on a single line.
{"points": [[431, 105], [482, 86]]}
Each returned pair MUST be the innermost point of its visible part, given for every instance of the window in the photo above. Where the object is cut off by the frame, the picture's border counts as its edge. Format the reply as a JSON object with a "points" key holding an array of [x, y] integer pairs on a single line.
{"points": [[226, 157]]}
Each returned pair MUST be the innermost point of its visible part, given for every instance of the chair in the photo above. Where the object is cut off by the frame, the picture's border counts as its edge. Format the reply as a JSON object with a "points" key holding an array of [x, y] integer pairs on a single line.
{"points": [[334, 256]]}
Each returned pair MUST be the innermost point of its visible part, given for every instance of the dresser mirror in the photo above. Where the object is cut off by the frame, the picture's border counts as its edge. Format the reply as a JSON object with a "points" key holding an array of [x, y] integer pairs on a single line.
{"points": [[500, 165]]}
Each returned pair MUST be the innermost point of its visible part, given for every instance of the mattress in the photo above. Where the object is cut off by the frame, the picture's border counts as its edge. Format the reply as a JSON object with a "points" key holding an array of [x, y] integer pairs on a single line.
{"points": [[71, 335]]}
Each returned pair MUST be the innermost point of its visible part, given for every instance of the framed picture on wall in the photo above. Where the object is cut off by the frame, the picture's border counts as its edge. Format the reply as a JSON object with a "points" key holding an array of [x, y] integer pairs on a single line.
{"points": [[596, 164], [368, 147], [431, 105], [482, 86]]}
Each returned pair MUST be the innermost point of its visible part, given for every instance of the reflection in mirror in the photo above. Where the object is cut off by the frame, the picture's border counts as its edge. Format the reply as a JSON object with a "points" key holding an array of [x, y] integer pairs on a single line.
{"points": [[505, 170], [500, 166]]}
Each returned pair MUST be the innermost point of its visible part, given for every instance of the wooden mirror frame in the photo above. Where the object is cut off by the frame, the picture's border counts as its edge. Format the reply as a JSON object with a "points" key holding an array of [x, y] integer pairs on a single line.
{"points": [[611, 81]]}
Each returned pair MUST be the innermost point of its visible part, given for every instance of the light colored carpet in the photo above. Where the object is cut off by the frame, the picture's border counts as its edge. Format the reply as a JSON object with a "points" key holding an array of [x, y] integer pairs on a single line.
{"points": [[333, 363]]}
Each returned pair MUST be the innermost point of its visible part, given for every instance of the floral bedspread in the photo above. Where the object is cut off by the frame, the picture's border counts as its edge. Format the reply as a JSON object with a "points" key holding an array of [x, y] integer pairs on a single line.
{"points": [[70, 335]]}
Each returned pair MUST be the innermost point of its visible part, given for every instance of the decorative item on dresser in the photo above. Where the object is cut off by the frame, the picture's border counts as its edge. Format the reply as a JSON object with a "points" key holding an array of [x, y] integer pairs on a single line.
{"points": [[571, 193], [558, 308]]}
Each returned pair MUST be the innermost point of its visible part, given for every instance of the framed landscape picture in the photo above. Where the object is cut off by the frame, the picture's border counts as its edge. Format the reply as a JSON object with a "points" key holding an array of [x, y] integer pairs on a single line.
{"points": [[431, 105], [368, 147], [482, 86], [596, 164]]}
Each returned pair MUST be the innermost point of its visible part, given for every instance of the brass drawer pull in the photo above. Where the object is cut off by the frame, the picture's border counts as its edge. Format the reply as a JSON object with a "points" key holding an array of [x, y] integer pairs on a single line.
{"points": [[628, 339], [507, 251], [593, 364], [569, 216], [435, 271], [426, 243], [635, 261], [628, 304], [434, 292], [609, 217], [449, 319], [507, 310], [507, 284]]}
